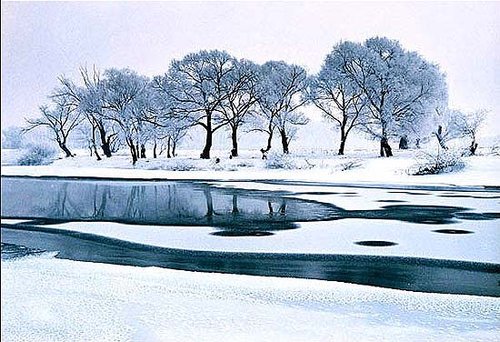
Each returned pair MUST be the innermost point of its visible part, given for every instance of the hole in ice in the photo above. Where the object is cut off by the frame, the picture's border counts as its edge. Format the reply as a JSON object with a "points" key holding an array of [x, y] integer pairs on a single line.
{"points": [[376, 243], [453, 231], [391, 201], [237, 233]]}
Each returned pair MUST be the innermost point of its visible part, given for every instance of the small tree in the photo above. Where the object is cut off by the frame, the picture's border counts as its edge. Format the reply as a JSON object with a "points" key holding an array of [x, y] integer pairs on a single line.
{"points": [[336, 94], [60, 120], [90, 102], [280, 95], [239, 98], [456, 124]]}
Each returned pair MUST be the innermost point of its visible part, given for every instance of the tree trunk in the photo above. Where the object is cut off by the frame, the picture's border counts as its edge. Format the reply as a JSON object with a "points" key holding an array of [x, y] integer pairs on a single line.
{"points": [[208, 142], [439, 136], [174, 146], [403, 143], [106, 149], [269, 139], [234, 138], [343, 134], [385, 148], [473, 148], [284, 142], [143, 151], [95, 152], [133, 152], [168, 148], [342, 146], [93, 147], [65, 149], [154, 150], [343, 138]]}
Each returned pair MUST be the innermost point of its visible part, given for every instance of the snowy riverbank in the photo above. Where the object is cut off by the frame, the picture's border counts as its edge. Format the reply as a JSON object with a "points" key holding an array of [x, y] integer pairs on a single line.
{"points": [[98, 302], [360, 166]]}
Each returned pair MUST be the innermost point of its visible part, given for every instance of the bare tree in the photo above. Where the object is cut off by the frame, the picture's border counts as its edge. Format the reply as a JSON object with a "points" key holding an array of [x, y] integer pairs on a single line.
{"points": [[455, 124], [90, 101], [126, 103], [194, 86], [240, 97], [279, 95], [60, 120]]}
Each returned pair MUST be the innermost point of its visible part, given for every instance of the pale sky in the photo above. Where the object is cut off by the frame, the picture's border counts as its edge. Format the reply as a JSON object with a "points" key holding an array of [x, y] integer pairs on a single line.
{"points": [[41, 40]]}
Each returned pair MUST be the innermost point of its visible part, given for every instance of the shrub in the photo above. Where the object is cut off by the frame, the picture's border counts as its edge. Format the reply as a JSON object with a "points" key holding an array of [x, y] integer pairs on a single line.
{"points": [[277, 160], [37, 155], [442, 162], [181, 165]]}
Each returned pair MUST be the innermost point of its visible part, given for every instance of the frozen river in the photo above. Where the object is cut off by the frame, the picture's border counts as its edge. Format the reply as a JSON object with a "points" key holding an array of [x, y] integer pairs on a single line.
{"points": [[425, 239]]}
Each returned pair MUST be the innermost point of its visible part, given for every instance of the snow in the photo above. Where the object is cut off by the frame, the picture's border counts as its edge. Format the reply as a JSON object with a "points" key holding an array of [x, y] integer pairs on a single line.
{"points": [[44, 298], [337, 237], [99, 302], [319, 166]]}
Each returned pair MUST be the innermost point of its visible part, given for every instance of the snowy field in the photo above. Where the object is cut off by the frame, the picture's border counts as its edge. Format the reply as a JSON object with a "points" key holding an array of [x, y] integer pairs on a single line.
{"points": [[358, 166], [98, 302]]}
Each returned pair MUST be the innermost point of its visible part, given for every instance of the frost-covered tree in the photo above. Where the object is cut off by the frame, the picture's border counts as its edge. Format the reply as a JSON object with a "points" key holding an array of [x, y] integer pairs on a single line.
{"points": [[127, 103], [194, 86], [239, 94], [468, 127], [61, 119], [335, 93], [168, 127], [456, 124], [90, 101], [400, 86], [87, 135], [279, 96]]}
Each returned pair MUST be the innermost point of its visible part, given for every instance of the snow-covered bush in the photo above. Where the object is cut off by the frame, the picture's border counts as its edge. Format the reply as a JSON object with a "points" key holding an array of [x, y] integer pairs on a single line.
{"points": [[350, 164], [37, 155], [494, 148], [441, 162], [181, 165], [277, 160]]}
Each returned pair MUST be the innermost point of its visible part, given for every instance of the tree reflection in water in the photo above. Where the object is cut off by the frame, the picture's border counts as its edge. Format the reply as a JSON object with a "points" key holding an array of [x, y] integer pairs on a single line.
{"points": [[170, 203]]}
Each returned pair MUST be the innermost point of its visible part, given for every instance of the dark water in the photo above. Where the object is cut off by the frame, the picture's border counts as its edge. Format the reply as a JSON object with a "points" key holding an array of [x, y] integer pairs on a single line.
{"points": [[235, 213], [414, 274], [13, 251], [194, 203]]}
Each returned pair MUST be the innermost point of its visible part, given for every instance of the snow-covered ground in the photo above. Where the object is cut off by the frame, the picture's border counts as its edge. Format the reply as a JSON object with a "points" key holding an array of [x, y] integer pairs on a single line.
{"points": [[308, 165], [46, 299]]}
